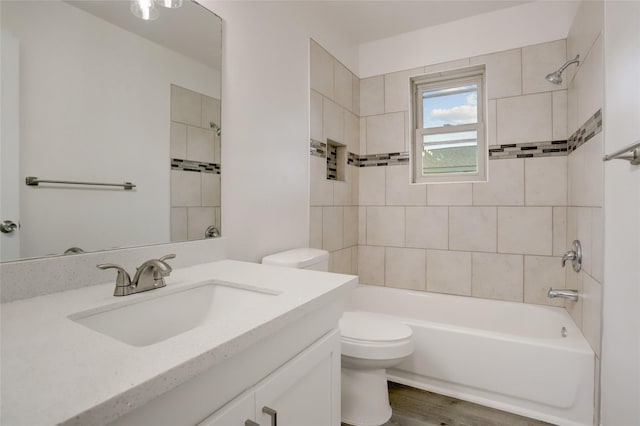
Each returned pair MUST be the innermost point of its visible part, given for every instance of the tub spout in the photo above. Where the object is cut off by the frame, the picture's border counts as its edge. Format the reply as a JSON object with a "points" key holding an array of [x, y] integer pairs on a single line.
{"points": [[566, 294]]}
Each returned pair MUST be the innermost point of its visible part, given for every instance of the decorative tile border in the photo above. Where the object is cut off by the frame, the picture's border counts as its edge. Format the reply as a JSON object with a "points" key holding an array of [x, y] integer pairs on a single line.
{"points": [[194, 166], [375, 160], [527, 150], [589, 129], [332, 163], [317, 148]]}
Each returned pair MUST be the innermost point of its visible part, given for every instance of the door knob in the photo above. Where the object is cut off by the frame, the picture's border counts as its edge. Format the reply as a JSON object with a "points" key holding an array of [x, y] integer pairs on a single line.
{"points": [[7, 226]]}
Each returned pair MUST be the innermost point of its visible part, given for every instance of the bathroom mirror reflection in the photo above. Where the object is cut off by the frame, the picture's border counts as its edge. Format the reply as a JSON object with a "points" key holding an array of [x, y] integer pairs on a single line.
{"points": [[92, 93]]}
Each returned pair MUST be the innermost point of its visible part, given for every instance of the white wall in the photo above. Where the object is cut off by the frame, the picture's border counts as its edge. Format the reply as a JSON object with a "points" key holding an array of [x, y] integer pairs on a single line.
{"points": [[72, 62], [265, 122], [528, 24], [621, 298]]}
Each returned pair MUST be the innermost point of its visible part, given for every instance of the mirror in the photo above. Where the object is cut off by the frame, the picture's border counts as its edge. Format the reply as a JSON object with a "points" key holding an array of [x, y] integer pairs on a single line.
{"points": [[91, 93]]}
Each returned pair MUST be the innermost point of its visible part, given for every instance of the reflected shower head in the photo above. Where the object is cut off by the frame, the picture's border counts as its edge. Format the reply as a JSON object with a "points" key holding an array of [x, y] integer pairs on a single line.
{"points": [[556, 76]]}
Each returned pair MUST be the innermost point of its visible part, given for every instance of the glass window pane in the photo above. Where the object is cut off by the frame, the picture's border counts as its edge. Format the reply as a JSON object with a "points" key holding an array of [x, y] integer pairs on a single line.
{"points": [[450, 152], [450, 106]]}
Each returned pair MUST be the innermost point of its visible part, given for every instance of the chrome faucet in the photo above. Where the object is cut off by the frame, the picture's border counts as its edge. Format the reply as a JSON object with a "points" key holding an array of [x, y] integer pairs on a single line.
{"points": [[565, 294], [574, 255], [149, 276]]}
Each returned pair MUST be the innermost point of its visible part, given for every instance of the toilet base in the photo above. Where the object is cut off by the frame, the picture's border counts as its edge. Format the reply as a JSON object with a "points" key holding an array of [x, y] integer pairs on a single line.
{"points": [[365, 398]]}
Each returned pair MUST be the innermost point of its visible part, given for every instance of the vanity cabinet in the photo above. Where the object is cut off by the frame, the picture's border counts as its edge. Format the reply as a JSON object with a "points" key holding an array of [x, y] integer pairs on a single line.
{"points": [[304, 391]]}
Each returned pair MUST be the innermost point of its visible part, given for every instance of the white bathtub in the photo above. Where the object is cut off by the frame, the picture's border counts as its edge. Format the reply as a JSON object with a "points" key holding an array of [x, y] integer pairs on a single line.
{"points": [[510, 356]]}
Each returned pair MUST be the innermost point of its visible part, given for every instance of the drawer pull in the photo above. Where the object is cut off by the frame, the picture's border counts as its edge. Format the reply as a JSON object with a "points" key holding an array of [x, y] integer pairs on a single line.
{"points": [[273, 413], [251, 423]]}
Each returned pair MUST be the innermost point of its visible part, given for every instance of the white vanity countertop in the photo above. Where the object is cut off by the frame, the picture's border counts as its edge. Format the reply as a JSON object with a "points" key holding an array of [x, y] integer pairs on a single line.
{"points": [[55, 370]]}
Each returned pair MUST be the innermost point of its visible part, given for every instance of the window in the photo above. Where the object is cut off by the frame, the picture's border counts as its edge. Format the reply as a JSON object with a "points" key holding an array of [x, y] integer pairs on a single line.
{"points": [[449, 123]]}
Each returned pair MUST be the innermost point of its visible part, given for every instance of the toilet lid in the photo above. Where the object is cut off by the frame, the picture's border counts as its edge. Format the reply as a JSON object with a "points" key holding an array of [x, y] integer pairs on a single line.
{"points": [[371, 327]]}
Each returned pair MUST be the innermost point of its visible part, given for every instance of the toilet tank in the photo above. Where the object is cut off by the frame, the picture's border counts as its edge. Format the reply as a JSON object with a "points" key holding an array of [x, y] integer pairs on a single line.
{"points": [[302, 258]]}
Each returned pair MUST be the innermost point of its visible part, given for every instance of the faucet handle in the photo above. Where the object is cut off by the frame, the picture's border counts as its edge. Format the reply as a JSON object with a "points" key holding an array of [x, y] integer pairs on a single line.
{"points": [[123, 279], [167, 256]]}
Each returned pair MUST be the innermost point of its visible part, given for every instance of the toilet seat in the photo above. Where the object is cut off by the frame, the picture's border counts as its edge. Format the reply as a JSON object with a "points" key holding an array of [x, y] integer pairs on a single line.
{"points": [[374, 336]]}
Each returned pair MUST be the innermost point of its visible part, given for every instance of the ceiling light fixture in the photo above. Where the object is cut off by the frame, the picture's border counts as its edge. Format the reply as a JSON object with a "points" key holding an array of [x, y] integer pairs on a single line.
{"points": [[146, 9]]}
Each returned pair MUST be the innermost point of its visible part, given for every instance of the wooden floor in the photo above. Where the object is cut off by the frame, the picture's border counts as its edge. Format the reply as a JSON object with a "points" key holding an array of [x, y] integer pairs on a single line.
{"points": [[414, 407]]}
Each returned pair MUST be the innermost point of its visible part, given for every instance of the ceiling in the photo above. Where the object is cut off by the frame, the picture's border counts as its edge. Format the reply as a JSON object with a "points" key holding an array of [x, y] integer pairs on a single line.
{"points": [[191, 29], [364, 21]]}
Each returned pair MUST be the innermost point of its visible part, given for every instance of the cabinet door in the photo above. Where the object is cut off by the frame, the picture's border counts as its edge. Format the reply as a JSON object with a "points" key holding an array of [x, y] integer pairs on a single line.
{"points": [[235, 413], [306, 390]]}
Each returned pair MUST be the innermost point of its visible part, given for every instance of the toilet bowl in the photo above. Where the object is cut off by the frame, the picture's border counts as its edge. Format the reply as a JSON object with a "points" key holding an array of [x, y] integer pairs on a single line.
{"points": [[370, 344]]}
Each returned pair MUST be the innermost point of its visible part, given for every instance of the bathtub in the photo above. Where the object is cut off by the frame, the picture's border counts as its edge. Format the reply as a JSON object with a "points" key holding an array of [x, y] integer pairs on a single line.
{"points": [[505, 355]]}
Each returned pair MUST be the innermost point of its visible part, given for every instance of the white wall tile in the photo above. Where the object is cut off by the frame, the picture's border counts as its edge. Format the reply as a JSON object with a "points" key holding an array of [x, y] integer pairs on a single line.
{"points": [[218, 224], [321, 189], [538, 61], [178, 140], [397, 89], [316, 115], [341, 261], [540, 273], [399, 192], [217, 149], [449, 272], [354, 260], [589, 83], [332, 121], [356, 94], [594, 168], [315, 227], [332, 228], [186, 106], [525, 230], [372, 96], [350, 231], [585, 28], [198, 220], [524, 119], [343, 86], [372, 186], [427, 227], [385, 133], [559, 231], [200, 145], [351, 132], [210, 183], [371, 265], [385, 226], [178, 224], [211, 111], [572, 110], [405, 268], [497, 276], [592, 312], [559, 106], [185, 188], [574, 282], [363, 136], [321, 70], [362, 225], [472, 228], [546, 181], [342, 192], [353, 174], [504, 73], [492, 122], [505, 186], [584, 229], [597, 244], [576, 177], [450, 194]]}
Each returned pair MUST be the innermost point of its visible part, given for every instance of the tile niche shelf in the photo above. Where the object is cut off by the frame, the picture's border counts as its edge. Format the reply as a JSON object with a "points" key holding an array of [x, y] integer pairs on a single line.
{"points": [[336, 160]]}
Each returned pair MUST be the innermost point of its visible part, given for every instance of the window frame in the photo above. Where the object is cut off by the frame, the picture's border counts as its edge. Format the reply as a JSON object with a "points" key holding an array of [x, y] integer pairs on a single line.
{"points": [[442, 80]]}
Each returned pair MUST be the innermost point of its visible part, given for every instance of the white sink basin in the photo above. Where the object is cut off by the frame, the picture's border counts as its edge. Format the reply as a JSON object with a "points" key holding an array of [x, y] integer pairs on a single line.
{"points": [[156, 317]]}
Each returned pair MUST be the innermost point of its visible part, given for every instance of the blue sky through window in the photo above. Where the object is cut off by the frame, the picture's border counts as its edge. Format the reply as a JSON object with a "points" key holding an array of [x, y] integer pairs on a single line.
{"points": [[452, 106]]}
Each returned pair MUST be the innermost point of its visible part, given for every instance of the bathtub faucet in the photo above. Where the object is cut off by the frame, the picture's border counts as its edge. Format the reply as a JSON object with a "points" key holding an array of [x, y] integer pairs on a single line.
{"points": [[566, 294]]}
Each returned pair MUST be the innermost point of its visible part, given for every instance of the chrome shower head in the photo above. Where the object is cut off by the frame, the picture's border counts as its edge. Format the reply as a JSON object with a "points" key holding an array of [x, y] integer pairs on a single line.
{"points": [[556, 76]]}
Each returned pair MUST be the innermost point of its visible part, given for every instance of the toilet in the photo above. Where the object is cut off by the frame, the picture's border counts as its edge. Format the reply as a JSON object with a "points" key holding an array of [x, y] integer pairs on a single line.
{"points": [[370, 344]]}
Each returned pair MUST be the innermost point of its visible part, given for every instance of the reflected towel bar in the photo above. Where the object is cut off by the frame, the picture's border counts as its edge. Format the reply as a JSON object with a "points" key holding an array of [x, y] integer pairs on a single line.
{"points": [[630, 153], [34, 181]]}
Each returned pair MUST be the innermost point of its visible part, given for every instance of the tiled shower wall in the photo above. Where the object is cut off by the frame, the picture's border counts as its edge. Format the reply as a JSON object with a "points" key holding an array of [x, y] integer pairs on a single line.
{"points": [[585, 173], [335, 100], [195, 164], [501, 239]]}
